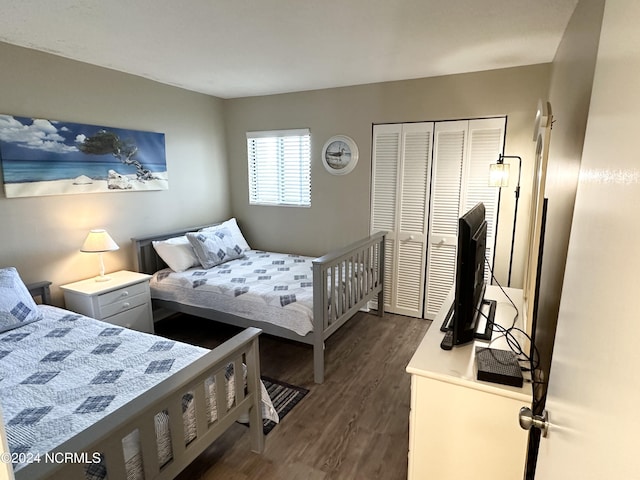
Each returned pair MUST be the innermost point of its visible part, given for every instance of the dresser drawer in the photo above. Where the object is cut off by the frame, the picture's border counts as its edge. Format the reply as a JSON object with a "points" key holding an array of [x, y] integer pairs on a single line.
{"points": [[122, 305], [122, 294]]}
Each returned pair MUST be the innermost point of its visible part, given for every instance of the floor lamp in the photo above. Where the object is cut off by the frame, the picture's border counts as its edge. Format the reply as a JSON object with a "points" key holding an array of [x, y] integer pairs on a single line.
{"points": [[499, 177]]}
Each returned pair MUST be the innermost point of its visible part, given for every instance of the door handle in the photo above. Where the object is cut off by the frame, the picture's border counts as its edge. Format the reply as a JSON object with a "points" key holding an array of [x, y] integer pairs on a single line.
{"points": [[528, 420]]}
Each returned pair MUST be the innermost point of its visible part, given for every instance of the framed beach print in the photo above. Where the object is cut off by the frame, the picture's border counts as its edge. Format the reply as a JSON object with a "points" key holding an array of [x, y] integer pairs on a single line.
{"points": [[340, 155], [51, 157]]}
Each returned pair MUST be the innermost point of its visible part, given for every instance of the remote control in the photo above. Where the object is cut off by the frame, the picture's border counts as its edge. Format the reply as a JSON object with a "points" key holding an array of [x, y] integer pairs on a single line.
{"points": [[447, 341]]}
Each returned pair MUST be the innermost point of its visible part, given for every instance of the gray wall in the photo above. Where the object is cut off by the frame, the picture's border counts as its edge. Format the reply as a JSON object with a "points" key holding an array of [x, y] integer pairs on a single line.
{"points": [[41, 236], [339, 211], [206, 157]]}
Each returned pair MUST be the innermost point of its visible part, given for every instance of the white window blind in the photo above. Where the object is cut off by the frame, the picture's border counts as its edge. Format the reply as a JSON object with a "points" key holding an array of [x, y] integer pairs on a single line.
{"points": [[280, 167]]}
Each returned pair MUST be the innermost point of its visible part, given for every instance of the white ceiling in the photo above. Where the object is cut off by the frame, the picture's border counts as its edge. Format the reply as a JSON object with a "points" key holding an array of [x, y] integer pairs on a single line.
{"points": [[238, 48]]}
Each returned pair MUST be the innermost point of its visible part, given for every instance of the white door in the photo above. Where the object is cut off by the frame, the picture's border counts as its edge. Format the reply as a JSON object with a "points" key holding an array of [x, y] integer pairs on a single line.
{"points": [[486, 138], [463, 151], [400, 193], [450, 144], [384, 193], [408, 203], [594, 392], [412, 227]]}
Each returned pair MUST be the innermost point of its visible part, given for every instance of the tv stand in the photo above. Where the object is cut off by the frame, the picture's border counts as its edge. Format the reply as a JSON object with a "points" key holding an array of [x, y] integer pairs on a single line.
{"points": [[484, 320], [457, 420]]}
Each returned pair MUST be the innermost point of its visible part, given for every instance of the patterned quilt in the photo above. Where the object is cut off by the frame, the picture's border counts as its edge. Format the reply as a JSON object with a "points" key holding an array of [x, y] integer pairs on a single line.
{"points": [[265, 286], [65, 372]]}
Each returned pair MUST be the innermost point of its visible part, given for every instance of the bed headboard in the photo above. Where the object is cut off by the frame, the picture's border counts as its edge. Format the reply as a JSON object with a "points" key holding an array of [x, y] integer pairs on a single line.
{"points": [[146, 258], [40, 289]]}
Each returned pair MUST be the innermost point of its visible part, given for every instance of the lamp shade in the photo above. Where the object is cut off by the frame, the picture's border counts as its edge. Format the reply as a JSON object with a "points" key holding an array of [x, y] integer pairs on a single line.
{"points": [[499, 175], [99, 241]]}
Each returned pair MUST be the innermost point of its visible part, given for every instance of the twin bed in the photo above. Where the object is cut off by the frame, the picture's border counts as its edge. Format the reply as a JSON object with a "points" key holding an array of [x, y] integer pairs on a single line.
{"points": [[84, 399], [290, 296]]}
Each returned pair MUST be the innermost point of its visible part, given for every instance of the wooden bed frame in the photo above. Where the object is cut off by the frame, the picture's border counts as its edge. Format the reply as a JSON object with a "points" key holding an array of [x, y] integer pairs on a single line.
{"points": [[356, 270], [106, 435]]}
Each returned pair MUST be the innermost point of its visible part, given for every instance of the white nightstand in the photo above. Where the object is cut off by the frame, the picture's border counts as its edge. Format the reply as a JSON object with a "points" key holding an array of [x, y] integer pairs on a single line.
{"points": [[124, 300]]}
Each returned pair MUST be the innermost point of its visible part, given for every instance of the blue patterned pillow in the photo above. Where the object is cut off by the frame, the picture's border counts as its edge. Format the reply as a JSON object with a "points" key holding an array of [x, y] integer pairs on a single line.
{"points": [[214, 248], [17, 307]]}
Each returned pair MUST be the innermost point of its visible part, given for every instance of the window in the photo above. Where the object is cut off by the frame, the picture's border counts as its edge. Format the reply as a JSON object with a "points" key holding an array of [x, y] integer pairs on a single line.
{"points": [[280, 167]]}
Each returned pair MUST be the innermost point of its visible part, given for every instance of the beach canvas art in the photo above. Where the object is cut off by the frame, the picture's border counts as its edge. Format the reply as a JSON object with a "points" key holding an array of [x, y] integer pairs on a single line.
{"points": [[50, 157]]}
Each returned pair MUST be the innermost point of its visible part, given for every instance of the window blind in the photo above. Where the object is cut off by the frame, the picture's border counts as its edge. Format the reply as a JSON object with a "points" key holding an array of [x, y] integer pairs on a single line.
{"points": [[279, 167]]}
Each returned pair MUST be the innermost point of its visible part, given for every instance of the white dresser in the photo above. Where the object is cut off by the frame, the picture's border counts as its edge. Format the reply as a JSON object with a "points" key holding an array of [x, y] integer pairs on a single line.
{"points": [[460, 427], [125, 300]]}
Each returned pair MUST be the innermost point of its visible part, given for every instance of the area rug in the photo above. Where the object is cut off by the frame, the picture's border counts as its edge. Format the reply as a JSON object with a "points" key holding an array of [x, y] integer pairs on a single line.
{"points": [[284, 397]]}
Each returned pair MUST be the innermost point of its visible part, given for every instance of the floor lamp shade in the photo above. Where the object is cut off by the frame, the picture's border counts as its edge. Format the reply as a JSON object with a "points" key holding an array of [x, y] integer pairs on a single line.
{"points": [[499, 175], [99, 241]]}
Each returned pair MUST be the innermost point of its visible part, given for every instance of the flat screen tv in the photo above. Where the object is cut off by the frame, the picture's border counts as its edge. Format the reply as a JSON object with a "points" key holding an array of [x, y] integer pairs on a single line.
{"points": [[470, 282]]}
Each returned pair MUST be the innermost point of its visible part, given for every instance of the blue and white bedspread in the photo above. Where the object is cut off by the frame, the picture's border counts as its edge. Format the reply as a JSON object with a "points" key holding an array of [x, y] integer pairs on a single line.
{"points": [[264, 286], [60, 375]]}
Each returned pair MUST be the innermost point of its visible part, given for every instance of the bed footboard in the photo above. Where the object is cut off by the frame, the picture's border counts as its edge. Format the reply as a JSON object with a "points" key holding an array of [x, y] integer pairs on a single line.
{"points": [[71, 459], [343, 282]]}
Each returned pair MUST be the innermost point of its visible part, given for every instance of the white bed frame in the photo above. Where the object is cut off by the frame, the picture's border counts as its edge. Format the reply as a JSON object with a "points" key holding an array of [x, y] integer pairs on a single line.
{"points": [[356, 271], [106, 435]]}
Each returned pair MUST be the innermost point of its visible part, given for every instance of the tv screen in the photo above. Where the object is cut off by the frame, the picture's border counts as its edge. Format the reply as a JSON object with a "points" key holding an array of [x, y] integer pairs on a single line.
{"points": [[470, 282]]}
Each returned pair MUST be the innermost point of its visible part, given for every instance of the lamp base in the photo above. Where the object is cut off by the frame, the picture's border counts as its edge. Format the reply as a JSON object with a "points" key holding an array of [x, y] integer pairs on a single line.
{"points": [[102, 277]]}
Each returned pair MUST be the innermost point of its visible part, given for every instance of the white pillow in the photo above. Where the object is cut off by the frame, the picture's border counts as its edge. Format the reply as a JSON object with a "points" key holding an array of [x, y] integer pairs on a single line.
{"points": [[233, 228], [215, 247], [17, 306], [177, 253]]}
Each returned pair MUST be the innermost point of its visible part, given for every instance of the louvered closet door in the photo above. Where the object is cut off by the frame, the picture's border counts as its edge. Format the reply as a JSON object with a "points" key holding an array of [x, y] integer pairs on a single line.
{"points": [[486, 138], [406, 251], [413, 223], [450, 143], [384, 195]]}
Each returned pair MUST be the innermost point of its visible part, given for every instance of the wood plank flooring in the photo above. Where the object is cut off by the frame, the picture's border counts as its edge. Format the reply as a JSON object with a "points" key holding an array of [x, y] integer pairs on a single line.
{"points": [[353, 426]]}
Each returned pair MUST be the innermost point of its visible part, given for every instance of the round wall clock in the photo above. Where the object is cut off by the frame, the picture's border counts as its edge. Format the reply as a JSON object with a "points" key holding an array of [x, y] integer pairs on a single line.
{"points": [[340, 155]]}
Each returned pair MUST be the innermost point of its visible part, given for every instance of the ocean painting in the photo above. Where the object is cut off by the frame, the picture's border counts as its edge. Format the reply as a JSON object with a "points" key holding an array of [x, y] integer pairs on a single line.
{"points": [[50, 157]]}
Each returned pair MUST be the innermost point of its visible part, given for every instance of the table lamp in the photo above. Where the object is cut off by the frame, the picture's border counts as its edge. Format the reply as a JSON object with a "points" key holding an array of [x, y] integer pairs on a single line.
{"points": [[98, 241]]}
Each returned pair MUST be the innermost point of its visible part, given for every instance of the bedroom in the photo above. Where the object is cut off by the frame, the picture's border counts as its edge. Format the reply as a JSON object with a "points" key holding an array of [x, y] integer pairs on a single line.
{"points": [[202, 127]]}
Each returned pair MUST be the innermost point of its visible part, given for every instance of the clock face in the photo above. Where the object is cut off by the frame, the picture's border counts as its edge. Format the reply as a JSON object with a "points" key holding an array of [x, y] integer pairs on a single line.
{"points": [[338, 155]]}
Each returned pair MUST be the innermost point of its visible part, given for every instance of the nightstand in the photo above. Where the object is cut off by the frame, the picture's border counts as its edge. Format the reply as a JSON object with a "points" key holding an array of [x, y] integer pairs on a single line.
{"points": [[125, 300]]}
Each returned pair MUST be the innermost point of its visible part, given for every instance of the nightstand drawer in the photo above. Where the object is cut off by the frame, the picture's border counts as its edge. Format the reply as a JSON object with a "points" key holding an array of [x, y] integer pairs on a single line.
{"points": [[121, 305], [122, 294], [136, 318]]}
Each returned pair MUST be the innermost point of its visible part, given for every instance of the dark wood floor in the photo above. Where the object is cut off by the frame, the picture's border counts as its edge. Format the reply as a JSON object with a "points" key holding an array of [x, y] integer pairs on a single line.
{"points": [[353, 426]]}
